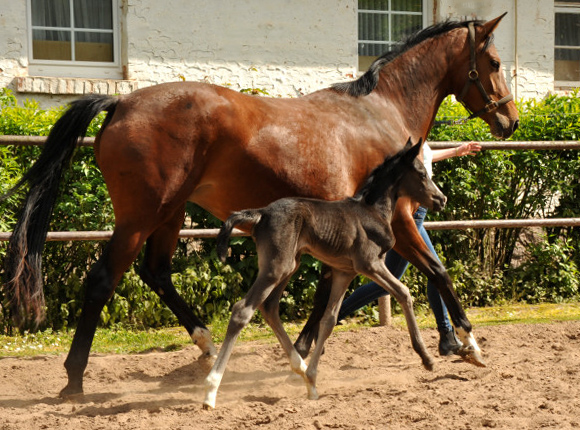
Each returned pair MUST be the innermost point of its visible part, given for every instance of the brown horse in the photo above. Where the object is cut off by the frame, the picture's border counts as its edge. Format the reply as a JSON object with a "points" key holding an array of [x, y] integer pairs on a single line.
{"points": [[162, 146], [352, 236]]}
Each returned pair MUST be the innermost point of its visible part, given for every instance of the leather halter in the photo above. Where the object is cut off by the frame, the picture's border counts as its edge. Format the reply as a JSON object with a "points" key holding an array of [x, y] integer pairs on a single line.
{"points": [[473, 78]]}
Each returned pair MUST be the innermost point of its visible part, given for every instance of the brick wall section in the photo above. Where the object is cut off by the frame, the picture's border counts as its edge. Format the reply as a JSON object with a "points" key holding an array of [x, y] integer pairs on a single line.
{"points": [[75, 86]]}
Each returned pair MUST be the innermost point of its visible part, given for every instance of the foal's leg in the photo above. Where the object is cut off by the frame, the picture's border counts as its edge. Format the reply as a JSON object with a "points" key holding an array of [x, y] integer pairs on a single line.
{"points": [[382, 276], [340, 282], [321, 295], [156, 272], [270, 275], [271, 312], [101, 281]]}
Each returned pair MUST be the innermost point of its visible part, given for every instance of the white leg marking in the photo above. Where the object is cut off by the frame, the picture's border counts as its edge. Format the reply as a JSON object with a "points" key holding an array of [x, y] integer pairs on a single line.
{"points": [[212, 382], [468, 340], [202, 338], [297, 364]]}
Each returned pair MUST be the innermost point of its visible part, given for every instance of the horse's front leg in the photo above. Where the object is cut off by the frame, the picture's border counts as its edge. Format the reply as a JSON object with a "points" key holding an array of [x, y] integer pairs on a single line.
{"points": [[411, 246]]}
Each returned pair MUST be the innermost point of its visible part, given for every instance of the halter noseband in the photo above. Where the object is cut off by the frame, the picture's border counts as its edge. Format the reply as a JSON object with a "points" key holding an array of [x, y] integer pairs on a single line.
{"points": [[473, 78]]}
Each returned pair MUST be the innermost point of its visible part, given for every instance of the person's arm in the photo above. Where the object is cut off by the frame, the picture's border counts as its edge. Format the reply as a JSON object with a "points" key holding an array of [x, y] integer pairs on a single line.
{"points": [[469, 148]]}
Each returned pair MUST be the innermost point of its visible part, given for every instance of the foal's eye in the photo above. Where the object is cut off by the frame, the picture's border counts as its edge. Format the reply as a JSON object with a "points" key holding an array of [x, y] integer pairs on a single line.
{"points": [[495, 64]]}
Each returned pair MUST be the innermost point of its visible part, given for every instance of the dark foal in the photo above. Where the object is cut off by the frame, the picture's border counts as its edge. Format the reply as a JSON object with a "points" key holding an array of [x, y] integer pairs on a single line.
{"points": [[350, 235]]}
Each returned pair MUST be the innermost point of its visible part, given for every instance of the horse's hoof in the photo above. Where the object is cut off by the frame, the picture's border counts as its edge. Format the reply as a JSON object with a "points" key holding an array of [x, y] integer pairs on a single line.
{"points": [[472, 356], [207, 407], [71, 393]]}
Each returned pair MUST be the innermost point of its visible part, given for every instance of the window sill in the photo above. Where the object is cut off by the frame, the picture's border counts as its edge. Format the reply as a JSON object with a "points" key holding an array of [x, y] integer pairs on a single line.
{"points": [[74, 86]]}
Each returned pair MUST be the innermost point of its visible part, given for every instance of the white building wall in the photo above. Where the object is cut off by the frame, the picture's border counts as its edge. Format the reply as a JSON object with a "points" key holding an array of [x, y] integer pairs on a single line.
{"points": [[285, 47], [524, 39], [13, 58]]}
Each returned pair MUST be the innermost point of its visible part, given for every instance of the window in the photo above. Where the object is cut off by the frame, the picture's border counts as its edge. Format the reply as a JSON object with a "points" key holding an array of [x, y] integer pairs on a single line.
{"points": [[567, 43], [74, 38], [383, 23]]}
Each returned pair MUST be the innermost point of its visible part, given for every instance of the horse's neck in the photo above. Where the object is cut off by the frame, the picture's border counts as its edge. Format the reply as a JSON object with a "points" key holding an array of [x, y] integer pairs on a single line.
{"points": [[417, 82]]}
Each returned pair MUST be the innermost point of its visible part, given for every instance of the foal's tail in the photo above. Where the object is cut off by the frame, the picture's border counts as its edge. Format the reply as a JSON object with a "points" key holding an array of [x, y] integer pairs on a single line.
{"points": [[248, 217], [23, 286]]}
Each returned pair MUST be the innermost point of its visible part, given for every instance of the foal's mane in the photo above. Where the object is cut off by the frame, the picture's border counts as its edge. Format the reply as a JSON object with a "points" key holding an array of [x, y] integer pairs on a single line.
{"points": [[369, 80], [382, 177]]}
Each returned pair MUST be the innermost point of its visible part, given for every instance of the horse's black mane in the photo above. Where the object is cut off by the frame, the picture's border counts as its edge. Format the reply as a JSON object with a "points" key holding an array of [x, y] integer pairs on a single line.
{"points": [[369, 80], [381, 178]]}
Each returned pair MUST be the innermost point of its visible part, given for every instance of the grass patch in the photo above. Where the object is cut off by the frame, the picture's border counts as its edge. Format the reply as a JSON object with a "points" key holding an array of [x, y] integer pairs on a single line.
{"points": [[127, 341]]}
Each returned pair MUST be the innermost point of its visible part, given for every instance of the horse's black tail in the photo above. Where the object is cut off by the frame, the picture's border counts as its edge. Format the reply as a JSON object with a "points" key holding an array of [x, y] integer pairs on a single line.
{"points": [[23, 286], [249, 218]]}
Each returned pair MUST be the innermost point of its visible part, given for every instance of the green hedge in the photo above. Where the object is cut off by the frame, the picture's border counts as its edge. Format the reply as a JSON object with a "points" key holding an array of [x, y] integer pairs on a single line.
{"points": [[488, 266]]}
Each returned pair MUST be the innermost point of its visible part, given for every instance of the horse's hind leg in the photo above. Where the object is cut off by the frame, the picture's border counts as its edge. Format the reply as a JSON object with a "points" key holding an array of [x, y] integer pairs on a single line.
{"points": [[101, 281], [156, 273]]}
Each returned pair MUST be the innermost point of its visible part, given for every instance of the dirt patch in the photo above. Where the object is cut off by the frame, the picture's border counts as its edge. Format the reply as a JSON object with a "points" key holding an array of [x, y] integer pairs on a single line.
{"points": [[368, 379]]}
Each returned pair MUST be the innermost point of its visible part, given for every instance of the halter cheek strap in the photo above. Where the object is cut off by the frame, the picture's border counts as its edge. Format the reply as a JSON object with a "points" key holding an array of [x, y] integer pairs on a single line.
{"points": [[473, 78]]}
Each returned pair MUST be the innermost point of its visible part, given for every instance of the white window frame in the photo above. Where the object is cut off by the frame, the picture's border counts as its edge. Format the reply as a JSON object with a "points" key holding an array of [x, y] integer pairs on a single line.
{"points": [[565, 8], [388, 44], [77, 69]]}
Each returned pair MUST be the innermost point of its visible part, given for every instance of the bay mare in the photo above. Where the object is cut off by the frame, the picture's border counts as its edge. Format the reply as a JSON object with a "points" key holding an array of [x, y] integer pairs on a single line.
{"points": [[352, 236], [162, 146]]}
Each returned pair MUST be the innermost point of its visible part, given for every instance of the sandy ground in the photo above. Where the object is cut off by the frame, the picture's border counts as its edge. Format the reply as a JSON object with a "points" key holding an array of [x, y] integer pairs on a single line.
{"points": [[369, 379]]}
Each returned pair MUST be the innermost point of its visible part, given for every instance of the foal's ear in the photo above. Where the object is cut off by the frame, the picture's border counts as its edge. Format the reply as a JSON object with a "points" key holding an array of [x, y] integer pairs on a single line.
{"points": [[490, 26], [415, 149]]}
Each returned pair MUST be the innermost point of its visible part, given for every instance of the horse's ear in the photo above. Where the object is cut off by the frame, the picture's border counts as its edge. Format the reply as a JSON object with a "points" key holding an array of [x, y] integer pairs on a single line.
{"points": [[490, 26]]}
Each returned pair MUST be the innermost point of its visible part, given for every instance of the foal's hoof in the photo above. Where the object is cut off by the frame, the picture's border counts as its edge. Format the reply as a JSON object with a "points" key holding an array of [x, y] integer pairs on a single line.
{"points": [[429, 364], [472, 356]]}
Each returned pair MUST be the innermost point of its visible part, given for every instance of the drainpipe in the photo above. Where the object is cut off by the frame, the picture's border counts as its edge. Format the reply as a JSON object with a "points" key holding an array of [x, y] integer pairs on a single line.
{"points": [[516, 63]]}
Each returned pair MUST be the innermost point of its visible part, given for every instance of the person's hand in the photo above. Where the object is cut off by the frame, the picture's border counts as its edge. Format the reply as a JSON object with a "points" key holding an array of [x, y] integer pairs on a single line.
{"points": [[470, 148]]}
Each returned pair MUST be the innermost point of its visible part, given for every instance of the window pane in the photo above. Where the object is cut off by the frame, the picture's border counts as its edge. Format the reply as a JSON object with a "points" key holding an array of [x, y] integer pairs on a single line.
{"points": [[94, 47], [51, 45], [567, 65], [404, 25], [373, 4], [407, 5], [51, 13], [568, 29], [96, 14], [373, 26]]}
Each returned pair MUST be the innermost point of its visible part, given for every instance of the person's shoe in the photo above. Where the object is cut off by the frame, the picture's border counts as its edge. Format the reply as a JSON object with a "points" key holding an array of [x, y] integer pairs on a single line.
{"points": [[449, 344]]}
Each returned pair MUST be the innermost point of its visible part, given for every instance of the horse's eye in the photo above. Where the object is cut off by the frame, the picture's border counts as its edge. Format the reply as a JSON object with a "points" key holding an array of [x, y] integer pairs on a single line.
{"points": [[495, 64]]}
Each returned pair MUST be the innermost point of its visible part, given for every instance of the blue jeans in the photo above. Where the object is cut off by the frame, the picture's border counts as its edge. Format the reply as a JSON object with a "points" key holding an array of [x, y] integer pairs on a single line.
{"points": [[368, 293]]}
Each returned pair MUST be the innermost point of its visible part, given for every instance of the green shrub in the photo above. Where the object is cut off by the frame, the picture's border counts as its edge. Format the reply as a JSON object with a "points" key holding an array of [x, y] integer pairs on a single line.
{"points": [[494, 184]]}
